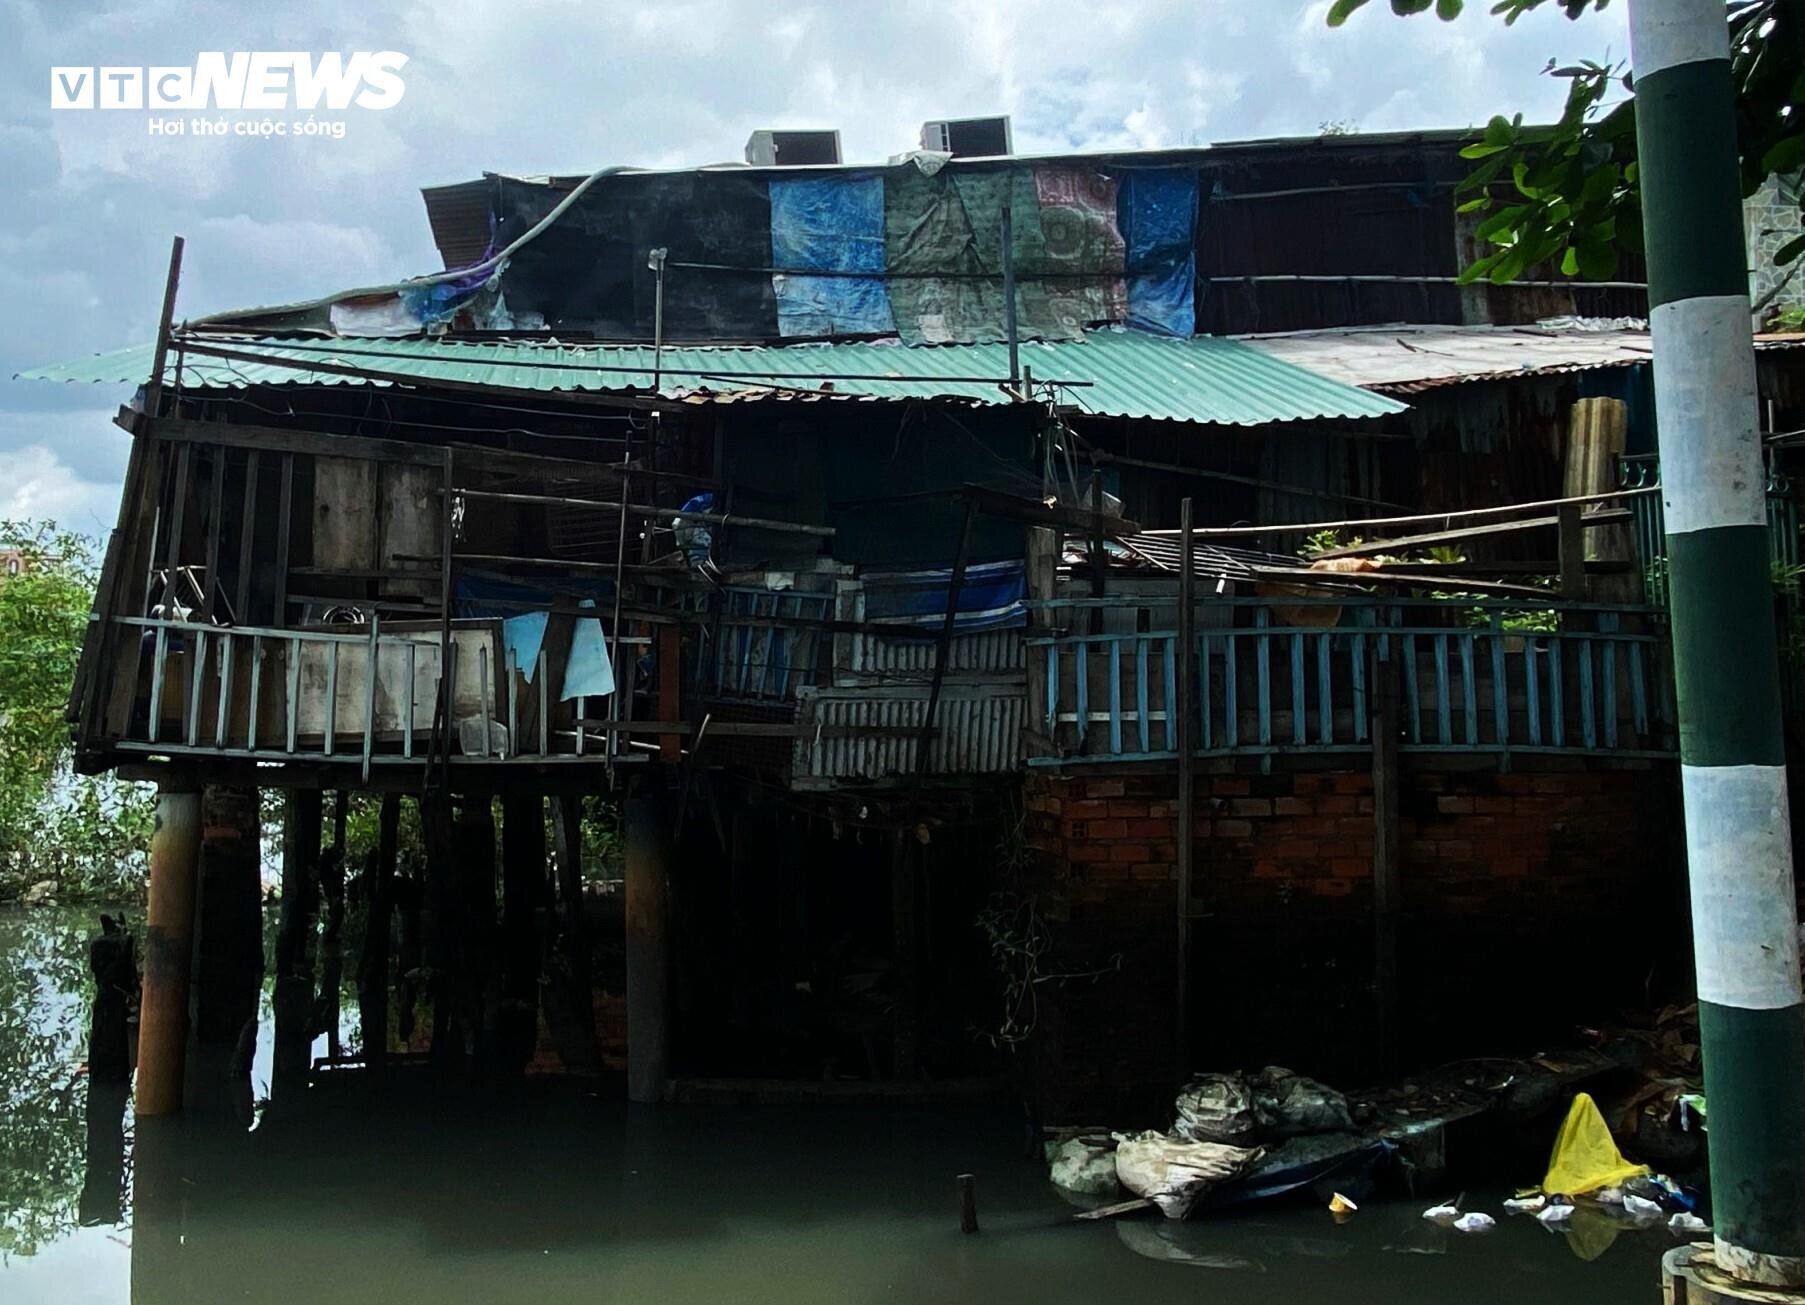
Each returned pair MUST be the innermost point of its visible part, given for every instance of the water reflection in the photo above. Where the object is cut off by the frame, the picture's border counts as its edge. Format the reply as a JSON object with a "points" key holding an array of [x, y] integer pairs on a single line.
{"points": [[401, 1189]]}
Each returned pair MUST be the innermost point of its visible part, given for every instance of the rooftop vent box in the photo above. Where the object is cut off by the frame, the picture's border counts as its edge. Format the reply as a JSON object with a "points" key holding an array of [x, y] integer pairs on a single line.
{"points": [[968, 137], [789, 149]]}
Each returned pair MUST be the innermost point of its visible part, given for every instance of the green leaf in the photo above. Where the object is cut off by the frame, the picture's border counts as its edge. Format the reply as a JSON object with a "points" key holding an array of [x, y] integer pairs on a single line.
{"points": [[1500, 222], [1448, 10], [1597, 261], [1787, 156], [1342, 10], [1482, 150], [1570, 262], [1790, 250], [1476, 205]]}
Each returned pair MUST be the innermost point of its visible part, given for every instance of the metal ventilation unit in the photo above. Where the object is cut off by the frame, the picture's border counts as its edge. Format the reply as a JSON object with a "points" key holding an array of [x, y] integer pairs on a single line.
{"points": [[790, 149], [968, 137]]}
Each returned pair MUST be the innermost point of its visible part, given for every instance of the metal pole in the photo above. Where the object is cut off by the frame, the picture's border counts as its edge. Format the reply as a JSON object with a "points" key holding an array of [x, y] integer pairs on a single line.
{"points": [[153, 392], [1182, 683], [656, 262], [1008, 234], [1732, 759]]}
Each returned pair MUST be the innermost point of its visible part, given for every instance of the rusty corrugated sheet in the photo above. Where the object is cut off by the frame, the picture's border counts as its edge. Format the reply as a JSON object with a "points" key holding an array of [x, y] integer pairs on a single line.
{"points": [[460, 219], [852, 735], [989, 653]]}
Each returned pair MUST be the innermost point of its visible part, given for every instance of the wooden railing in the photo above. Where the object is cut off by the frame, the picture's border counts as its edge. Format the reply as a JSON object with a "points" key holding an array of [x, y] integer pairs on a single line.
{"points": [[1273, 676]]}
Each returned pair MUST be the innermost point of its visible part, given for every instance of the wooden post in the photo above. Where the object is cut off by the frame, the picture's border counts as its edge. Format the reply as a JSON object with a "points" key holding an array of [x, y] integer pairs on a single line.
{"points": [[570, 998], [475, 981], [443, 925], [1572, 551], [968, 1203], [373, 966], [153, 392], [670, 688], [113, 961], [1042, 570], [522, 899], [648, 947], [1384, 677], [1187, 781], [905, 978], [295, 931], [327, 1005], [175, 847], [229, 952]]}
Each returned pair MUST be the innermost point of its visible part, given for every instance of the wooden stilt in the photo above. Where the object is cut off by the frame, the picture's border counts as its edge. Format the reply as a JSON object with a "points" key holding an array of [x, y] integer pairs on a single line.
{"points": [[373, 966], [295, 934], [326, 1009], [570, 996], [443, 927], [113, 960], [523, 886], [1386, 850], [648, 947], [904, 1043], [229, 950], [477, 979], [168, 947]]}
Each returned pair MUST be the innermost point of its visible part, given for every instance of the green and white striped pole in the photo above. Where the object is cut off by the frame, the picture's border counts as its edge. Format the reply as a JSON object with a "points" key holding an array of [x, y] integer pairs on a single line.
{"points": [[1738, 840]]}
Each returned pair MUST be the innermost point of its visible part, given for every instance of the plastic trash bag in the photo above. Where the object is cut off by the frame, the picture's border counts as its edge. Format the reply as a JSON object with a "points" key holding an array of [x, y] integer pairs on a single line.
{"points": [[1687, 1222], [1173, 1172], [1081, 1165], [1290, 1105], [1585, 1158], [1555, 1216], [1445, 1213], [1475, 1223], [1216, 1108]]}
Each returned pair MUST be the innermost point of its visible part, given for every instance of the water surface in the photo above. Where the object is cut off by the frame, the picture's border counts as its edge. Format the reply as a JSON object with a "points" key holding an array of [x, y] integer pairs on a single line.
{"points": [[410, 1192]]}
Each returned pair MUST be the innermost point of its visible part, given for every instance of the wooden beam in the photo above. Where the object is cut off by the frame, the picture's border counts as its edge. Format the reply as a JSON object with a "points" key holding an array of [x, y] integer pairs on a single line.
{"points": [[1370, 547], [289, 440], [1187, 784]]}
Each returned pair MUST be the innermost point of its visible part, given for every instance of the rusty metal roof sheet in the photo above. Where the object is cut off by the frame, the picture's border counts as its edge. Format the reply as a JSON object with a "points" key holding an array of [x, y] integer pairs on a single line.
{"points": [[1409, 359], [1116, 373]]}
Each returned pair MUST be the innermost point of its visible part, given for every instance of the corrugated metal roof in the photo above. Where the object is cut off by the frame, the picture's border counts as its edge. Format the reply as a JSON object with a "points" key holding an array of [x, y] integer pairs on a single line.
{"points": [[1407, 359], [1130, 373]]}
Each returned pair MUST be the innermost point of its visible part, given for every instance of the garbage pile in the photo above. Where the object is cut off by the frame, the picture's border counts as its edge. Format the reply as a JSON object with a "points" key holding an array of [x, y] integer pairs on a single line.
{"points": [[1588, 1179], [1234, 1137]]}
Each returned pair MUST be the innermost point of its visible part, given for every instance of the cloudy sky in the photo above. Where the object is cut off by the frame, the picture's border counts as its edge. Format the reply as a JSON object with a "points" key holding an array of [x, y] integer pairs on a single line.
{"points": [[89, 200]]}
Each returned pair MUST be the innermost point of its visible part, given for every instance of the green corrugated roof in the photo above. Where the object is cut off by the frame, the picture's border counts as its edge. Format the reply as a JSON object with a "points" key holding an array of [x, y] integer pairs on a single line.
{"points": [[1131, 373]]}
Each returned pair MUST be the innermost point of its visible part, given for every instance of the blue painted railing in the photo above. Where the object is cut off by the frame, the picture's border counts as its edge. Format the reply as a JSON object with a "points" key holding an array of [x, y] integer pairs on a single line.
{"points": [[1649, 523], [755, 660], [1599, 683]]}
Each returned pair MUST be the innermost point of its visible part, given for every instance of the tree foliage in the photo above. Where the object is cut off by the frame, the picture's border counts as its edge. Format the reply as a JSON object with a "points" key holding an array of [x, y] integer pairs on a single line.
{"points": [[1568, 193], [86, 835]]}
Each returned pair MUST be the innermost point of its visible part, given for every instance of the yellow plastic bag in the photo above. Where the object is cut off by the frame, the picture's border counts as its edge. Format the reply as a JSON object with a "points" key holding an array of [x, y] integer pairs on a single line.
{"points": [[1585, 1158]]}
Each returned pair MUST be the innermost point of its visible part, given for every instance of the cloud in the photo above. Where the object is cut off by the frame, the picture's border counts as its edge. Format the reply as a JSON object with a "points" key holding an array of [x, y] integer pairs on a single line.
{"points": [[92, 198]]}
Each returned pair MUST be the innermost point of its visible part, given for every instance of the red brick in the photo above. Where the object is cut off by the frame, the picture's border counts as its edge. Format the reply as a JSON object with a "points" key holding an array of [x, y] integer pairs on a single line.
{"points": [[1132, 808], [1082, 808], [1251, 806], [1152, 873], [1101, 830], [1130, 852], [1353, 783], [1232, 828], [1337, 805], [1494, 806], [1226, 786], [1090, 852], [1103, 788], [1266, 869], [1149, 829], [1290, 806], [1454, 806], [1333, 887], [1300, 849], [1350, 867]]}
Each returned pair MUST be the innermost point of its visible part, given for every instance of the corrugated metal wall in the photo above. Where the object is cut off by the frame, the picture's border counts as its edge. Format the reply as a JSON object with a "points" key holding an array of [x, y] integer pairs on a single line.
{"points": [[868, 734]]}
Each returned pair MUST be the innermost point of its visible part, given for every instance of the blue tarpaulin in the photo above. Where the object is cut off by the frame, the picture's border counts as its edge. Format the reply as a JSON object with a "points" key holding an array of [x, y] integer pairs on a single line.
{"points": [[1159, 222], [833, 224], [990, 598]]}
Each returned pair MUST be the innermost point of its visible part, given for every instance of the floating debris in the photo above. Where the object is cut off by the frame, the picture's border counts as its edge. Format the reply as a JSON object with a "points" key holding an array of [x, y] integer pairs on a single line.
{"points": [[1475, 1222]]}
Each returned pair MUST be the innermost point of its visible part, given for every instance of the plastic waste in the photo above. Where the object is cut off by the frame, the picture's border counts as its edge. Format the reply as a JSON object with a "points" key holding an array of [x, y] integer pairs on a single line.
{"points": [[1585, 1159], [1475, 1222], [1641, 1208], [1525, 1204], [1339, 1204], [1173, 1172], [1608, 1196], [1687, 1222], [1447, 1212], [1554, 1216], [1084, 1165], [1290, 1105], [1216, 1108]]}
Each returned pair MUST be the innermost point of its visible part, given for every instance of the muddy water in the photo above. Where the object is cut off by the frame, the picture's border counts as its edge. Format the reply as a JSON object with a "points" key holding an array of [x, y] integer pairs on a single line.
{"points": [[402, 1192]]}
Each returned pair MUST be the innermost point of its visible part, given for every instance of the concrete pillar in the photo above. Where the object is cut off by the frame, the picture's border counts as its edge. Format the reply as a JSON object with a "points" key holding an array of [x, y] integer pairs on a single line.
{"points": [[648, 948], [175, 848], [1751, 1006]]}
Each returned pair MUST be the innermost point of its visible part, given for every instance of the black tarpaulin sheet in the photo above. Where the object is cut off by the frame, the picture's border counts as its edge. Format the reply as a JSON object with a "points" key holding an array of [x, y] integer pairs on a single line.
{"points": [[587, 271]]}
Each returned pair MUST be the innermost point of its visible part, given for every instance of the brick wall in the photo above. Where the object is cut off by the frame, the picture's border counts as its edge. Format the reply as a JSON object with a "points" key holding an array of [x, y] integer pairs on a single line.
{"points": [[1532, 901]]}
